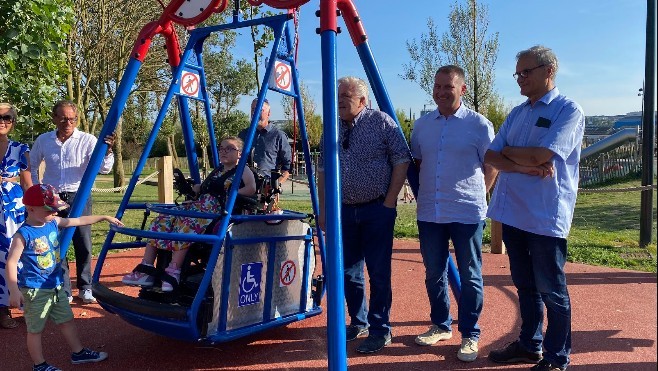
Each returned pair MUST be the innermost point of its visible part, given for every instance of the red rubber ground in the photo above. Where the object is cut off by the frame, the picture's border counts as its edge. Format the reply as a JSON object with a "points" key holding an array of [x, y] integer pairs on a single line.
{"points": [[614, 328]]}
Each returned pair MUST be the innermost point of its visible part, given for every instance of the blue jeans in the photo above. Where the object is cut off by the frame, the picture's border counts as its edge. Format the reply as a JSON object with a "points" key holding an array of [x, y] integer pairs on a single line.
{"points": [[537, 267], [368, 238], [467, 240]]}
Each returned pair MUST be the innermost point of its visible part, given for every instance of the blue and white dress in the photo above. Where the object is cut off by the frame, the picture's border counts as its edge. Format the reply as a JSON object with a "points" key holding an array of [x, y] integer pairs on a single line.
{"points": [[12, 211]]}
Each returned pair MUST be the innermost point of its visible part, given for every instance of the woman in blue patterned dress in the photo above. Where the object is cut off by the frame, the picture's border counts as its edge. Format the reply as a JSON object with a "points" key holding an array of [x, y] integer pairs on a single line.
{"points": [[14, 179]]}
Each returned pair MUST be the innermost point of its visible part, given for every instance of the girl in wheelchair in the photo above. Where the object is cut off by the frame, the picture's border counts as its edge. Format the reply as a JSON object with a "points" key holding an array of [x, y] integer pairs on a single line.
{"points": [[211, 199]]}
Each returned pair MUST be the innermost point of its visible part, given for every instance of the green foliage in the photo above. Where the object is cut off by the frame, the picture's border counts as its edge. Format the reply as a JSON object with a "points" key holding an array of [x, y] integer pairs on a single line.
{"points": [[405, 122], [466, 44], [496, 111], [231, 125], [32, 58], [312, 120]]}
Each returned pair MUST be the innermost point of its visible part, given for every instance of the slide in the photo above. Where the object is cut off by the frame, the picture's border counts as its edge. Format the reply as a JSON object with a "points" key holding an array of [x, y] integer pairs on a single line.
{"points": [[611, 142]]}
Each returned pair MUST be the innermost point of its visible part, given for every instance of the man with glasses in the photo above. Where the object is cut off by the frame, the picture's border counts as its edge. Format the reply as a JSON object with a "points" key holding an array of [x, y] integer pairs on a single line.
{"points": [[537, 151], [373, 165], [66, 152]]}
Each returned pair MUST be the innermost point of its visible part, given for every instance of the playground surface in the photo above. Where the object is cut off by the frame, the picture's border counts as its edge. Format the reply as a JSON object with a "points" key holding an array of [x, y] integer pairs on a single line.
{"points": [[614, 327]]}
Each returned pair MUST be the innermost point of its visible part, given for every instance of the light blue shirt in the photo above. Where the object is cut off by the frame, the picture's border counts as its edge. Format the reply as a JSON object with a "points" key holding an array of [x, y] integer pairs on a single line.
{"points": [[452, 188], [531, 203]]}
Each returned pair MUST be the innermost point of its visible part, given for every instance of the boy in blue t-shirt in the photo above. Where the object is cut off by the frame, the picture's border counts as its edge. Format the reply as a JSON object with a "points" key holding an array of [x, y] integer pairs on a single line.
{"points": [[38, 287]]}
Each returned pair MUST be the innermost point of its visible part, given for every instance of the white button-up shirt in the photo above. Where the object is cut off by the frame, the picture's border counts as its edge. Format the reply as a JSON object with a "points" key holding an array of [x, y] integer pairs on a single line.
{"points": [[65, 162]]}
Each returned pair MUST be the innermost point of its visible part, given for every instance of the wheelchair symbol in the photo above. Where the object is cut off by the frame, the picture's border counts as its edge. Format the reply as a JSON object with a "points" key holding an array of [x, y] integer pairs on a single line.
{"points": [[249, 281]]}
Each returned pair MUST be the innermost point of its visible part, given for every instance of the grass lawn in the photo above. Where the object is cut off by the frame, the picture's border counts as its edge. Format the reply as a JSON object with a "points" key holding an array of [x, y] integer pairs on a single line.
{"points": [[605, 228]]}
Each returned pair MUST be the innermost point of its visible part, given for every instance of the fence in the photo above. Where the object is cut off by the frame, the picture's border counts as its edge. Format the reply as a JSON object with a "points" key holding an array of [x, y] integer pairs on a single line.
{"points": [[613, 164]]}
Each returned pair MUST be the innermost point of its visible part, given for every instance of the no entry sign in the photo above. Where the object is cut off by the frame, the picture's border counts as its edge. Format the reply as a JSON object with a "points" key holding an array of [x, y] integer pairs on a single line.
{"points": [[189, 84], [281, 78]]}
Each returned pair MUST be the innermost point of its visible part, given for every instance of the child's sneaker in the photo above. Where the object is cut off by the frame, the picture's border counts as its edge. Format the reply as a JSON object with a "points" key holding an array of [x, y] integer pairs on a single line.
{"points": [[173, 271], [45, 367], [138, 279], [87, 355]]}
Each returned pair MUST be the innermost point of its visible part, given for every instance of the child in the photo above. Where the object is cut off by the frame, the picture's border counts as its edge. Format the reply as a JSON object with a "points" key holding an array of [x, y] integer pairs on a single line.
{"points": [[212, 197], [38, 287], [407, 196]]}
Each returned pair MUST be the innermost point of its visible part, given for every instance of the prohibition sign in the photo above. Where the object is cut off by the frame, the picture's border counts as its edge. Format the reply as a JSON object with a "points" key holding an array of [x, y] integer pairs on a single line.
{"points": [[287, 273], [282, 72], [190, 84]]}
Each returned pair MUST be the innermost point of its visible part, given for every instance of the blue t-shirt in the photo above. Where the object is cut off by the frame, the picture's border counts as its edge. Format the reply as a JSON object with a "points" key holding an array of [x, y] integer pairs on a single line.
{"points": [[41, 257]]}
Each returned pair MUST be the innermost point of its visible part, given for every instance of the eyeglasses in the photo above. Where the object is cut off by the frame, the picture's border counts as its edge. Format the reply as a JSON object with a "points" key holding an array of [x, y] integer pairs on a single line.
{"points": [[227, 149], [526, 72], [7, 118], [68, 119]]}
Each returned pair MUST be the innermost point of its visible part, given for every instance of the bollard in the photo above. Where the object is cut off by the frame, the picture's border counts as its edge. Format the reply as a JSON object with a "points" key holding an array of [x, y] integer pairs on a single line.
{"points": [[165, 180]]}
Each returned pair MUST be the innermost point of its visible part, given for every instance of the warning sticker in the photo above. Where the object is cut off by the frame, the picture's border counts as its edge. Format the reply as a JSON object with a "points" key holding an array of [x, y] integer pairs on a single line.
{"points": [[282, 76], [189, 84], [287, 273]]}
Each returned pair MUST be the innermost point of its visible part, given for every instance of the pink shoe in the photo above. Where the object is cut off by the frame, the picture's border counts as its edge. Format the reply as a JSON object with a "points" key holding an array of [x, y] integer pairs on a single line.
{"points": [[173, 271]]}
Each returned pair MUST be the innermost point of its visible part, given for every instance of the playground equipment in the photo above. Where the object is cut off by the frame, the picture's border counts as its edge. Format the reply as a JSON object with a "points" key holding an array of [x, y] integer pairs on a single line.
{"points": [[610, 142], [239, 253]]}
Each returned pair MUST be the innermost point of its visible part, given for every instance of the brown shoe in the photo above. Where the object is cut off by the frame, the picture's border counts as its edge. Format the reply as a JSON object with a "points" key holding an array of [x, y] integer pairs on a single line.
{"points": [[5, 319]]}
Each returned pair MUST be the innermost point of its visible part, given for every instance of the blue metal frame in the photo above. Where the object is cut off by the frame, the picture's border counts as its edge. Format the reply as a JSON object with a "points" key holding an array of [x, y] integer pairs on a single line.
{"points": [[188, 329]]}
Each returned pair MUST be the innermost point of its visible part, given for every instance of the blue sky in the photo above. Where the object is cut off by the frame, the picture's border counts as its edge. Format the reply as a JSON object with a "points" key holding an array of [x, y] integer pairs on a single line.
{"points": [[600, 45]]}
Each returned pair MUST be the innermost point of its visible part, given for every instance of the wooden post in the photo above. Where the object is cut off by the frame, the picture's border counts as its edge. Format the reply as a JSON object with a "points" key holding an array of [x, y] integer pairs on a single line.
{"points": [[497, 244], [165, 180]]}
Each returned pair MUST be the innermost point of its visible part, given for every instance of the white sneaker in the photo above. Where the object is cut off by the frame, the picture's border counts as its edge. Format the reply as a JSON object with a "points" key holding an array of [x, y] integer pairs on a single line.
{"points": [[86, 296], [433, 335], [173, 271], [468, 351], [70, 299]]}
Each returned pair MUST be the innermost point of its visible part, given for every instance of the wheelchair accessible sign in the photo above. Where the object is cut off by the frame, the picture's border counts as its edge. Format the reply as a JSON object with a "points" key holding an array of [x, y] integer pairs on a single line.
{"points": [[250, 279]]}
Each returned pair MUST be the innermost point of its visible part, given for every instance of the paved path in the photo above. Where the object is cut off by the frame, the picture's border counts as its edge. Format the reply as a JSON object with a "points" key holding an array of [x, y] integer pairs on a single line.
{"points": [[614, 327]]}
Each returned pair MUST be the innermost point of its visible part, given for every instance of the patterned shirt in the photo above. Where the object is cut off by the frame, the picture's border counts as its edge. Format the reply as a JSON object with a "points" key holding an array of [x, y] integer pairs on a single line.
{"points": [[534, 204], [65, 162], [271, 149], [368, 151]]}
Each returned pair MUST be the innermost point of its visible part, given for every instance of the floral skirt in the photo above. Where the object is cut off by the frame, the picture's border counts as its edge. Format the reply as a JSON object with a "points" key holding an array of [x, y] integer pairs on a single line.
{"points": [[183, 224]]}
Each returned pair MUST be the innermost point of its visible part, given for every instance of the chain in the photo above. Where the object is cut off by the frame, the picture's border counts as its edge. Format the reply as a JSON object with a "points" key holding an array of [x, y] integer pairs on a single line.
{"points": [[613, 190], [121, 189]]}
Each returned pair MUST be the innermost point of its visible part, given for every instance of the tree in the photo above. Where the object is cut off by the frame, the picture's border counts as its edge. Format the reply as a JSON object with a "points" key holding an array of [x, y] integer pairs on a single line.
{"points": [[465, 45], [32, 58], [496, 111], [261, 36], [405, 123], [312, 120]]}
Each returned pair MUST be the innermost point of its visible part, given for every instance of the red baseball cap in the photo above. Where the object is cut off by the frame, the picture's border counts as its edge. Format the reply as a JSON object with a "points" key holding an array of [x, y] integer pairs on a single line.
{"points": [[44, 195]]}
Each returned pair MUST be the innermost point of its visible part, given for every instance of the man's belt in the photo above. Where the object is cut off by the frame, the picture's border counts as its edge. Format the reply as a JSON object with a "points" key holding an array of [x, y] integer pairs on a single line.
{"points": [[373, 201]]}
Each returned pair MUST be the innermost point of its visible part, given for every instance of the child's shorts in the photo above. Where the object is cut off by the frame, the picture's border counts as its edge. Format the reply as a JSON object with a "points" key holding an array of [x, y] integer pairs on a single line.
{"points": [[42, 304]]}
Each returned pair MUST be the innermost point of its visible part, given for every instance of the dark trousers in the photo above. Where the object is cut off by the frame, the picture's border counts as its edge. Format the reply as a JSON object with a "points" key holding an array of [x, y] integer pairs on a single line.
{"points": [[368, 238], [537, 267], [82, 247]]}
